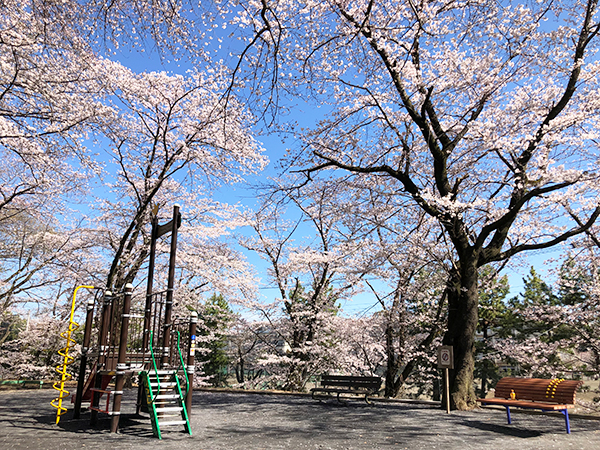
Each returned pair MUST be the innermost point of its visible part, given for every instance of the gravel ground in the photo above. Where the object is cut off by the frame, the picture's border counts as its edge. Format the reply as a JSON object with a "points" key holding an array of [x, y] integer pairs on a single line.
{"points": [[234, 421]]}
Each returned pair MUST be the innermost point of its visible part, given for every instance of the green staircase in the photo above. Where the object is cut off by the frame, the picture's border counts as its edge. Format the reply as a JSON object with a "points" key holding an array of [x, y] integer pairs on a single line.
{"points": [[165, 401]]}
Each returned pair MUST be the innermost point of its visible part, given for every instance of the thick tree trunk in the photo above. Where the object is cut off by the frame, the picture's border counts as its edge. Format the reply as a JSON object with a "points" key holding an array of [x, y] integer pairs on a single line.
{"points": [[395, 342], [239, 370], [392, 386], [462, 324]]}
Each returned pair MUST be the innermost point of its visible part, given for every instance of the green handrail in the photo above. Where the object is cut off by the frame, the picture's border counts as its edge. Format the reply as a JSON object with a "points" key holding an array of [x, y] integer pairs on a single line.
{"points": [[154, 364], [187, 380]]}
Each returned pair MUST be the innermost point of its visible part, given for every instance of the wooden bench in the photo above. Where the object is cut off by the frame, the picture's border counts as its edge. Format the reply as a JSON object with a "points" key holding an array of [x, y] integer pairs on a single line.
{"points": [[345, 384], [535, 393]]}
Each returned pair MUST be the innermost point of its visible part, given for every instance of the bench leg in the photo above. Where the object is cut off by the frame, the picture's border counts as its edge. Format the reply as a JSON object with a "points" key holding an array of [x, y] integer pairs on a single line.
{"points": [[566, 414], [508, 414]]}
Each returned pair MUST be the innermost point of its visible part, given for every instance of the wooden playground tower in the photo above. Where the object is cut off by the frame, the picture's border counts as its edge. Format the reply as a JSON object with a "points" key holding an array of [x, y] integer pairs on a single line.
{"points": [[150, 343]]}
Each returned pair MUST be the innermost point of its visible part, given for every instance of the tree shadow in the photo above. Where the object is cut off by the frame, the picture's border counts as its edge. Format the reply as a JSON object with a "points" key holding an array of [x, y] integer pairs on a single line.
{"points": [[129, 424], [505, 430]]}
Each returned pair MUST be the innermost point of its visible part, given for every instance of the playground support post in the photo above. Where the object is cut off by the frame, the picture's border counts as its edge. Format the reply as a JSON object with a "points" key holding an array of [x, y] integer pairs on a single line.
{"points": [[148, 307], [84, 354], [190, 362], [151, 261], [122, 361], [102, 351], [170, 283]]}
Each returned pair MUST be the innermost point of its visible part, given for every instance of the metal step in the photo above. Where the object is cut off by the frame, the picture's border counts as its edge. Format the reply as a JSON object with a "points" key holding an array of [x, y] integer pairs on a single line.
{"points": [[169, 384], [161, 372], [167, 396], [162, 377], [172, 422], [169, 409], [169, 378], [163, 383]]}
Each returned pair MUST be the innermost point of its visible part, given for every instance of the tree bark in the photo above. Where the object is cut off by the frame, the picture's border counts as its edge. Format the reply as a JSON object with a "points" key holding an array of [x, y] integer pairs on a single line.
{"points": [[462, 325], [395, 341], [239, 368], [392, 386]]}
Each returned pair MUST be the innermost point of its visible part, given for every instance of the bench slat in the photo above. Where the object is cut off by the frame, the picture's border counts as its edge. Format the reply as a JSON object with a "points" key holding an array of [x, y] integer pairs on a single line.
{"points": [[351, 381], [538, 389], [344, 384]]}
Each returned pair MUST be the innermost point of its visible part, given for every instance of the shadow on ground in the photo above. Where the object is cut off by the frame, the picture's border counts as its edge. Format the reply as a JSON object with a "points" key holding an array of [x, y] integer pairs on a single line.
{"points": [[245, 421]]}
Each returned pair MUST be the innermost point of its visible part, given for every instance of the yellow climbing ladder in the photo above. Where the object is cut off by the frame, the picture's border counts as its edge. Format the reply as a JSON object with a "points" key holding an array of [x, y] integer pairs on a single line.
{"points": [[67, 360]]}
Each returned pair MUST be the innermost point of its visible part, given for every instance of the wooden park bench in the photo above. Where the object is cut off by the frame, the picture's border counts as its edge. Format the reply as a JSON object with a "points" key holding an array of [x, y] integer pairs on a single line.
{"points": [[535, 393], [345, 384]]}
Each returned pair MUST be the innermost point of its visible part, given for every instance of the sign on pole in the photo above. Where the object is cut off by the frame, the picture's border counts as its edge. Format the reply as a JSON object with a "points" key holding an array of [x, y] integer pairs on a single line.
{"points": [[446, 362], [445, 357]]}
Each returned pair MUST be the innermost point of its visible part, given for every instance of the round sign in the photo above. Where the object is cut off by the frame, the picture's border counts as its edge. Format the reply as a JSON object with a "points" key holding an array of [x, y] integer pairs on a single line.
{"points": [[445, 358]]}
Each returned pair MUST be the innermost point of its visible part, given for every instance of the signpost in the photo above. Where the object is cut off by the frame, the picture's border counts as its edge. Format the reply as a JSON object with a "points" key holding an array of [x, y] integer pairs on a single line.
{"points": [[446, 362]]}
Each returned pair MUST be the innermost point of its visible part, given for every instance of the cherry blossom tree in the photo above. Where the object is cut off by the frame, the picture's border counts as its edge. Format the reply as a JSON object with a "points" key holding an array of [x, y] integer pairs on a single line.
{"points": [[48, 101], [42, 261], [412, 312], [164, 139], [171, 140], [483, 114], [208, 260], [311, 276], [359, 344], [245, 342], [405, 265], [34, 354]]}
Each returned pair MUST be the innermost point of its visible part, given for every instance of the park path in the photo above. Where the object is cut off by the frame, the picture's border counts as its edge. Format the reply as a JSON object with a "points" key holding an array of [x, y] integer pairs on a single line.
{"points": [[232, 421]]}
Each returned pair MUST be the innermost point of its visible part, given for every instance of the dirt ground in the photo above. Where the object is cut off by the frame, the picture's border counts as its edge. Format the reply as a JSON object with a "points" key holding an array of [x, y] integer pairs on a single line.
{"points": [[232, 421]]}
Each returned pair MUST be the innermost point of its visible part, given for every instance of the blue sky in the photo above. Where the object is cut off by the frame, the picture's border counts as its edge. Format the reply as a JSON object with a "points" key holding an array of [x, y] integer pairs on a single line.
{"points": [[275, 149]]}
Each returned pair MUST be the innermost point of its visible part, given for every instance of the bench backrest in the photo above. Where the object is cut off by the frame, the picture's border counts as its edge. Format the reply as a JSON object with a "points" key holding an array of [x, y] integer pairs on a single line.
{"points": [[539, 389], [356, 382]]}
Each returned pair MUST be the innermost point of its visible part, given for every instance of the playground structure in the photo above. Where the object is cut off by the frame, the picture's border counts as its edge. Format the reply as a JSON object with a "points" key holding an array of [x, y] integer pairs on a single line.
{"points": [[123, 341]]}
